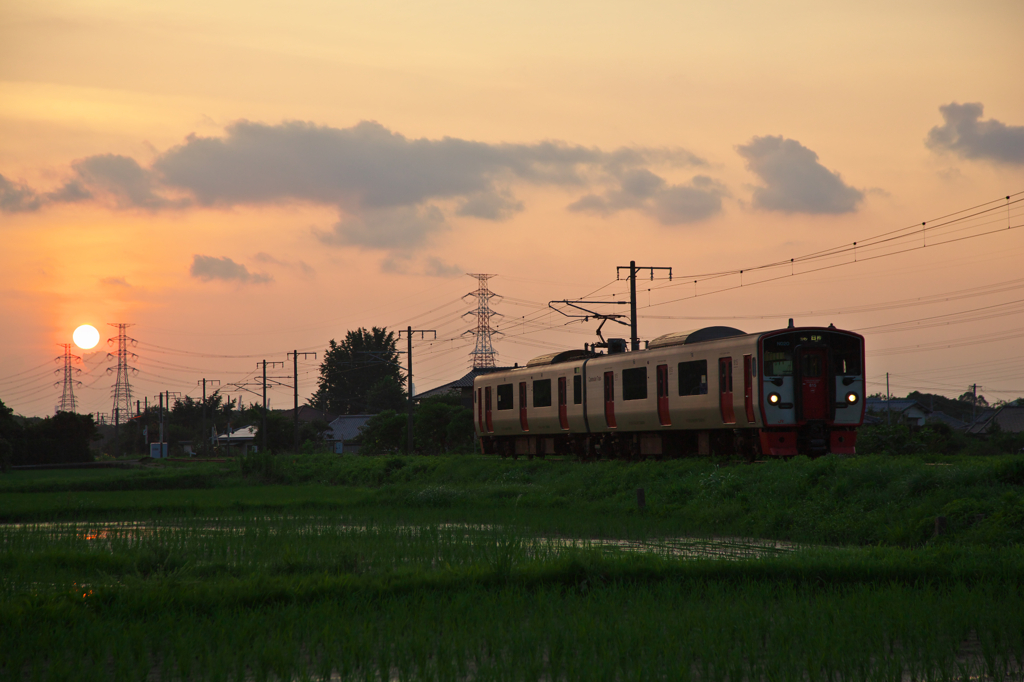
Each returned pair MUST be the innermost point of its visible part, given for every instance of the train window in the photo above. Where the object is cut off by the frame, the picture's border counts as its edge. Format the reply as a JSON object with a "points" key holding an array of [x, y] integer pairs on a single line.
{"points": [[753, 367], [778, 363], [811, 366], [845, 354], [542, 393], [693, 377], [634, 383], [505, 397], [577, 390]]}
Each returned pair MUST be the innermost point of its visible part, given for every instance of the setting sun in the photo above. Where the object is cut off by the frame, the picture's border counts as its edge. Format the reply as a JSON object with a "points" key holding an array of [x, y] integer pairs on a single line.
{"points": [[86, 337]]}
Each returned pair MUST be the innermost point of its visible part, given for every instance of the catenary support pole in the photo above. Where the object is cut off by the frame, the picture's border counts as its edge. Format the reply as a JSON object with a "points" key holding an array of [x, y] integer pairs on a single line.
{"points": [[409, 331], [409, 410], [263, 428], [295, 376], [634, 340]]}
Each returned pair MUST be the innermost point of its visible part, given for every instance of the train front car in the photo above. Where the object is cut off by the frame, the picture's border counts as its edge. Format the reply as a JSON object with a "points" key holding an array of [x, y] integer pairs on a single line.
{"points": [[812, 391]]}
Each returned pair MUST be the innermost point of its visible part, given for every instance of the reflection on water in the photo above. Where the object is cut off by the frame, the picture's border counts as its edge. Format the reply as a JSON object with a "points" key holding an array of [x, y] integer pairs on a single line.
{"points": [[99, 534]]}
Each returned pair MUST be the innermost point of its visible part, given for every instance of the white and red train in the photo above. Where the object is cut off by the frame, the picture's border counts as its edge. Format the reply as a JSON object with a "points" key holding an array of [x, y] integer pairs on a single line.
{"points": [[717, 390]]}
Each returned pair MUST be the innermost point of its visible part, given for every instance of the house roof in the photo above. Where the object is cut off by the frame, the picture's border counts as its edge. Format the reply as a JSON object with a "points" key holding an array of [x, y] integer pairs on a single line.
{"points": [[347, 426], [461, 383], [246, 433], [881, 405], [1009, 417], [944, 418], [308, 414]]}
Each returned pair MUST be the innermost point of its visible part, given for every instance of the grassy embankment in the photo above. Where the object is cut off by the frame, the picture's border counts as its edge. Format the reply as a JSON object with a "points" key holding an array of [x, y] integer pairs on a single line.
{"points": [[859, 501], [212, 573]]}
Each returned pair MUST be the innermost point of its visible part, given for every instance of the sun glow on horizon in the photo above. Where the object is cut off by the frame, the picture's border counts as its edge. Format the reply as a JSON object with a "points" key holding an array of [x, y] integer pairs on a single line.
{"points": [[86, 337]]}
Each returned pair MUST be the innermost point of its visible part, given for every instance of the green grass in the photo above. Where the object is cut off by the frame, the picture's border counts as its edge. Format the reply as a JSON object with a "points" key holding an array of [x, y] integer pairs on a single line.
{"points": [[307, 596], [864, 500], [304, 567]]}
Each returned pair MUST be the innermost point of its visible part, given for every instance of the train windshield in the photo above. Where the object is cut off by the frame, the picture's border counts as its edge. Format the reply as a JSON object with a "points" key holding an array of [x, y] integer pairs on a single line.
{"points": [[844, 350]]}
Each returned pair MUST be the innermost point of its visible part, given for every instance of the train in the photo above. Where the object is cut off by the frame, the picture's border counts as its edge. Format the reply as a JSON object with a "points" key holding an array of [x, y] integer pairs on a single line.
{"points": [[713, 391]]}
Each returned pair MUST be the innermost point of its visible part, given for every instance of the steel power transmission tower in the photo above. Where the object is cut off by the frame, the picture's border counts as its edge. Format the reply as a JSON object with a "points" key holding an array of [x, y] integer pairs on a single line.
{"points": [[634, 342], [68, 403], [483, 353], [409, 331], [122, 389]]}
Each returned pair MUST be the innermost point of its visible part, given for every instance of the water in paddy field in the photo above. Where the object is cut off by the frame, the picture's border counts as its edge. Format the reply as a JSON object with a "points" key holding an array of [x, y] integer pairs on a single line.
{"points": [[127, 531]]}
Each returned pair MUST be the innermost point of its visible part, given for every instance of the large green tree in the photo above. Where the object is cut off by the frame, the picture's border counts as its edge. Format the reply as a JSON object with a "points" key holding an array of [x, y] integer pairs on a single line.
{"points": [[360, 375]]}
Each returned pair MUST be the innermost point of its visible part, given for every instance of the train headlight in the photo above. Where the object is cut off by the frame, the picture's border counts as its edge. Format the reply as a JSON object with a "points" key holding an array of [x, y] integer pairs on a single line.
{"points": [[774, 398], [852, 398]]}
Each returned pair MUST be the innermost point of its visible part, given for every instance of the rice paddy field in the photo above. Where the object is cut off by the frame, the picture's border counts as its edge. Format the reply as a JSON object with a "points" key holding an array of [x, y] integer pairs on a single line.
{"points": [[466, 568]]}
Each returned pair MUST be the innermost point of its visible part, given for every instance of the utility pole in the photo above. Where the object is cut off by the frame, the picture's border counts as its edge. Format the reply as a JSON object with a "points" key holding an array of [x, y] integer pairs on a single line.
{"points": [[203, 430], [295, 374], [634, 342], [164, 394], [888, 406], [974, 401], [263, 428], [161, 441], [409, 331]]}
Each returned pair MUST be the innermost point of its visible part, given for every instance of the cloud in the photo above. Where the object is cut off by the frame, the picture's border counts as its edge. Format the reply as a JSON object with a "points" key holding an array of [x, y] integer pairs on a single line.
{"points": [[390, 191], [17, 198], [130, 185], [491, 205], [967, 136], [435, 267], [430, 266], [302, 266], [640, 189], [794, 181], [209, 268], [115, 282], [20, 198], [365, 165], [399, 229]]}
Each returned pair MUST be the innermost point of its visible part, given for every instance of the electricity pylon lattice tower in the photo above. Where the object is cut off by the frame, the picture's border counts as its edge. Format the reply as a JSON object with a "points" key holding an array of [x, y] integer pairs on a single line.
{"points": [[483, 353], [68, 402], [122, 409]]}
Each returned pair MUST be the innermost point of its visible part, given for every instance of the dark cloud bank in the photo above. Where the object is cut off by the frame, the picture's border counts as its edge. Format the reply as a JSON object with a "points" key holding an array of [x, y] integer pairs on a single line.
{"points": [[394, 193], [386, 186], [964, 133]]}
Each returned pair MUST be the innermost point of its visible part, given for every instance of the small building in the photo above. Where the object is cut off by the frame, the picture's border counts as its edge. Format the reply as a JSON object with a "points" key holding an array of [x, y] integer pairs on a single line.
{"points": [[239, 438], [308, 414], [910, 412], [345, 429], [1008, 418], [938, 417], [461, 387]]}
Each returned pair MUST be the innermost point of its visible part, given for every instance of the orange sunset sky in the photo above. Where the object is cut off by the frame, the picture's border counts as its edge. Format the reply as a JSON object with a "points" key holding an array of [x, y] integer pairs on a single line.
{"points": [[241, 179]]}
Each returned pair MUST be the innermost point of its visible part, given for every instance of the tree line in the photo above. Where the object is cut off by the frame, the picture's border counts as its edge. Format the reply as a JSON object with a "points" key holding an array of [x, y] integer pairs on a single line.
{"points": [[360, 375]]}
